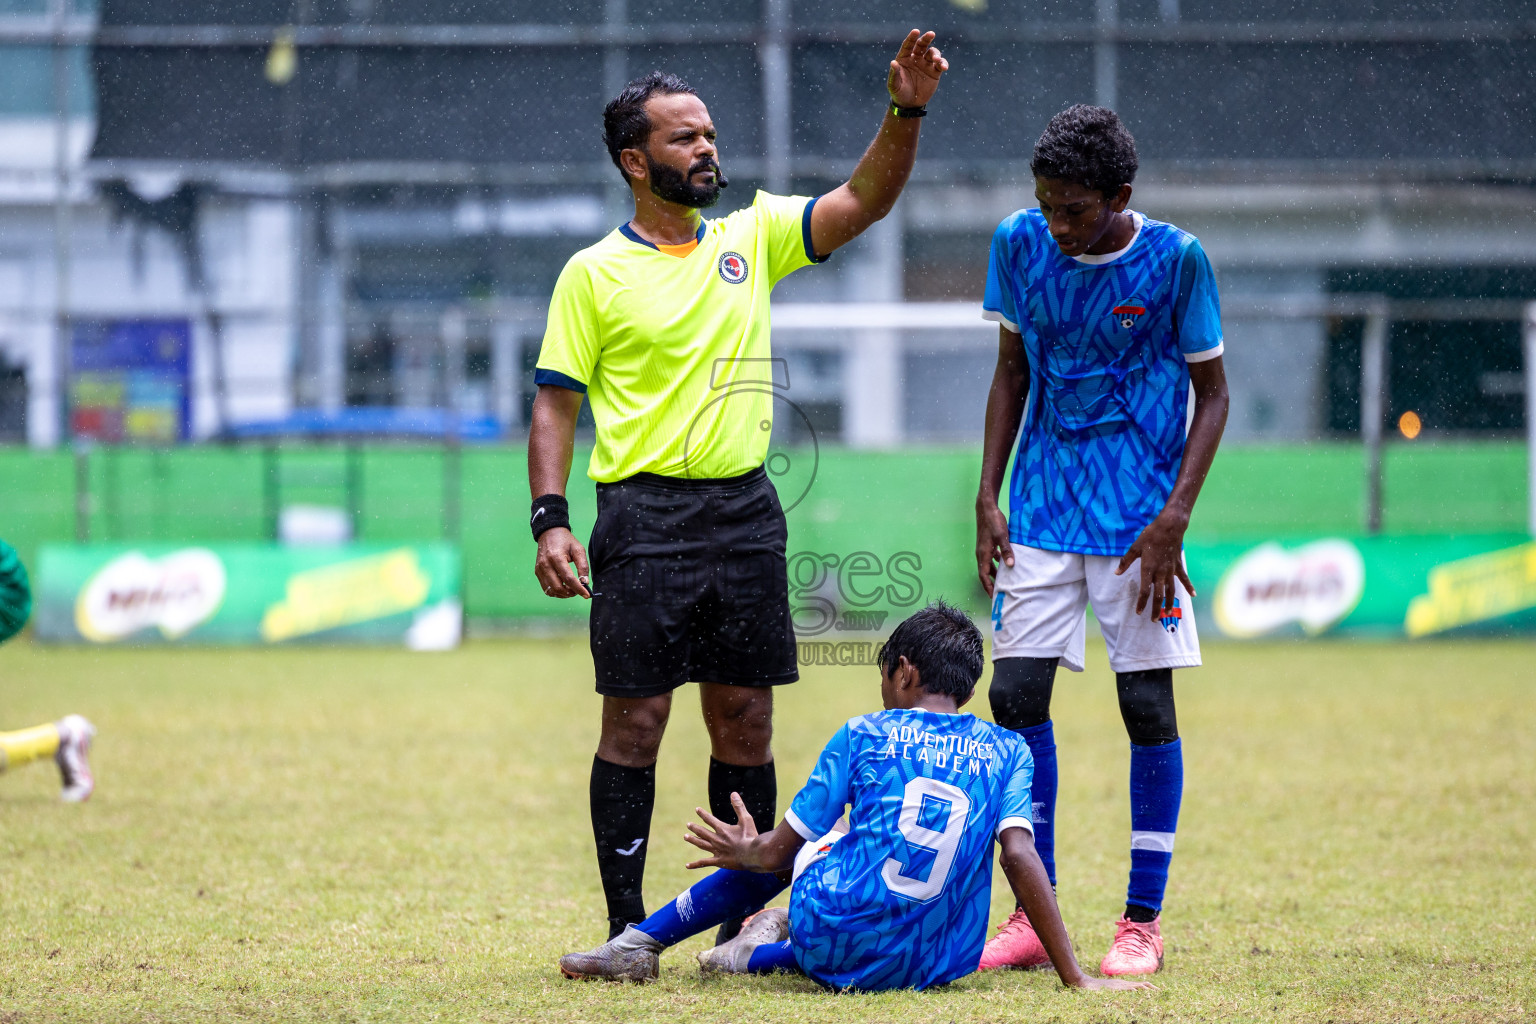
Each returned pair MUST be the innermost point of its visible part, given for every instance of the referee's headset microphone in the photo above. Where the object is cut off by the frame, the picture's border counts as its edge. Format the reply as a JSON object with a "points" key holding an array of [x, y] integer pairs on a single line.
{"points": [[720, 178]]}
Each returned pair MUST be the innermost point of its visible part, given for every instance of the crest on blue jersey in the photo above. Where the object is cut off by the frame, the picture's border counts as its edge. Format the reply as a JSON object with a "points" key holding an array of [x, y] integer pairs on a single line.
{"points": [[1127, 310], [1171, 616], [733, 267]]}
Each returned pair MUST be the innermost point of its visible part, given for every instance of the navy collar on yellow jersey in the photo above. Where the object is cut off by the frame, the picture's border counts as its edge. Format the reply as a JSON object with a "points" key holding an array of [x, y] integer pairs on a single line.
{"points": [[630, 233]]}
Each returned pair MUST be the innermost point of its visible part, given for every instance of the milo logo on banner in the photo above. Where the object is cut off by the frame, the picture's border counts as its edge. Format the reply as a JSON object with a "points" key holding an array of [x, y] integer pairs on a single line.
{"points": [[174, 594], [1314, 586]]}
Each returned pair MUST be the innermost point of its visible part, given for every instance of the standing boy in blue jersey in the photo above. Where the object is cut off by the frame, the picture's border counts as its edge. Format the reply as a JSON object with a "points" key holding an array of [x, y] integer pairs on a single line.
{"points": [[899, 900], [1107, 319]]}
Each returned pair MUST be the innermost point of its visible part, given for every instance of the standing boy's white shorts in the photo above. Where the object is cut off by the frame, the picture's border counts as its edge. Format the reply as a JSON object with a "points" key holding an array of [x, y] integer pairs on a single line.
{"points": [[1039, 610]]}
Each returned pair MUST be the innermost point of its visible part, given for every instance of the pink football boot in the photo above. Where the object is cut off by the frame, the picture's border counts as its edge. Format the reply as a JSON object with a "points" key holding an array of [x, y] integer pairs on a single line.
{"points": [[1137, 949], [1014, 945]]}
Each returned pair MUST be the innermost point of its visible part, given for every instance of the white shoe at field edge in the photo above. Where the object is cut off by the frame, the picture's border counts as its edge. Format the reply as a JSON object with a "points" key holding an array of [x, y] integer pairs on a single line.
{"points": [[73, 758]]}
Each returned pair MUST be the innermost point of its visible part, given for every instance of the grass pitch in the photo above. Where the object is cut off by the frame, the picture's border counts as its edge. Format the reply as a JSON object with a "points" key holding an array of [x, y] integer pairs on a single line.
{"points": [[374, 835]]}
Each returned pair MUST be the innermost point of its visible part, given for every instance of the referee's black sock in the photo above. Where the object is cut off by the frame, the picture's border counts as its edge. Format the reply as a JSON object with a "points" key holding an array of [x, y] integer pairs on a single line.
{"points": [[759, 789], [622, 799]]}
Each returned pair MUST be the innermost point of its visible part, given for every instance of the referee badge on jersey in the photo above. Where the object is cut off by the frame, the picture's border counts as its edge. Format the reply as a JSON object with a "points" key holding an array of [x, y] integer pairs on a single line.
{"points": [[1127, 310], [732, 267]]}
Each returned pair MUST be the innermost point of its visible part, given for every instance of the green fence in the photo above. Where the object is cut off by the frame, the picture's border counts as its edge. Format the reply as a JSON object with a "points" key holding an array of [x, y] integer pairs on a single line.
{"points": [[917, 503]]}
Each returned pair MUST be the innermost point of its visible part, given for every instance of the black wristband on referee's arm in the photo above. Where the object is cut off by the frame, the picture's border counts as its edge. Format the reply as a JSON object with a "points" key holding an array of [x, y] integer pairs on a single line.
{"points": [[908, 111], [549, 511]]}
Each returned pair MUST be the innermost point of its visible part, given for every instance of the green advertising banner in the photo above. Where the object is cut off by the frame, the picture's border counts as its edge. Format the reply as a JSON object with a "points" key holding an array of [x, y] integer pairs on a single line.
{"points": [[249, 594], [1366, 586], [409, 594]]}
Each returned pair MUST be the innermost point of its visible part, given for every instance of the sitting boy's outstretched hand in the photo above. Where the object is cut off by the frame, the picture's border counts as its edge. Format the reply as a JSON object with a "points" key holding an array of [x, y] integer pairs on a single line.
{"points": [[740, 847], [728, 845]]}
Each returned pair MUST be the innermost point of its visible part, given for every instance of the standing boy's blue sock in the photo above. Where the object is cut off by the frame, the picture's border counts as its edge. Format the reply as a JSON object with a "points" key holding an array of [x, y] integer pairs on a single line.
{"points": [[773, 956], [1157, 785], [712, 899], [1042, 747]]}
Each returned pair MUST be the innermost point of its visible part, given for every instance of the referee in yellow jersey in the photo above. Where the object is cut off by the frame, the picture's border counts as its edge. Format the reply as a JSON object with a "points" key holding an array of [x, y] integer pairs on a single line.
{"points": [[653, 324]]}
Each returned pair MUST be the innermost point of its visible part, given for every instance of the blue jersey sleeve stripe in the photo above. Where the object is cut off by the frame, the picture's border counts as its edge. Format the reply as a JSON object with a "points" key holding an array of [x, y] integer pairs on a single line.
{"points": [[1208, 354], [1015, 822], [996, 317], [559, 380], [805, 234], [801, 828]]}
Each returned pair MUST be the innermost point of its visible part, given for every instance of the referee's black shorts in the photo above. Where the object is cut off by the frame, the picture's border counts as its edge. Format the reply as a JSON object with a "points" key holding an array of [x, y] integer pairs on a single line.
{"points": [[689, 585]]}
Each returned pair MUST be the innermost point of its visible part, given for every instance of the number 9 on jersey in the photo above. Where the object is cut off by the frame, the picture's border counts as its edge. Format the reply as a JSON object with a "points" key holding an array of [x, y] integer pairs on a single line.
{"points": [[927, 803]]}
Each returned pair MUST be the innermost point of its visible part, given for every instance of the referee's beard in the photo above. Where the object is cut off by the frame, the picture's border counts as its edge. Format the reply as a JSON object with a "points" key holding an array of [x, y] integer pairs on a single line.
{"points": [[673, 186]]}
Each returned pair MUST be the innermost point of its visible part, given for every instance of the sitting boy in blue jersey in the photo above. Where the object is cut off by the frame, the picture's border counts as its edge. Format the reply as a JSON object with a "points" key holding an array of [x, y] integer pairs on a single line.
{"points": [[900, 900]]}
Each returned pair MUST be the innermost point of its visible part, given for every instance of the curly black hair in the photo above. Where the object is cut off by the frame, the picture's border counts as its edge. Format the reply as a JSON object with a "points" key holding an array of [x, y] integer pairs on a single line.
{"points": [[943, 644], [625, 125], [1089, 146]]}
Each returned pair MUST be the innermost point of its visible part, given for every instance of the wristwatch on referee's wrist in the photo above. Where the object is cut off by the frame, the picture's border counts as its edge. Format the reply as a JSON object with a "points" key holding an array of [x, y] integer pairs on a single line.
{"points": [[905, 112]]}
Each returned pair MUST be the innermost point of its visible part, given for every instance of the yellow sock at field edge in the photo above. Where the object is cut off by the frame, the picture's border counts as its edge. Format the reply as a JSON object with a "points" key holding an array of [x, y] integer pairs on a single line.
{"points": [[25, 745]]}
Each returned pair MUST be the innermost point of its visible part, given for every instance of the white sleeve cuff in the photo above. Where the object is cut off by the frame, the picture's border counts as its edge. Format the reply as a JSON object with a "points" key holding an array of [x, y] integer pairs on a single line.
{"points": [[1210, 353], [996, 317], [1015, 822], [792, 819]]}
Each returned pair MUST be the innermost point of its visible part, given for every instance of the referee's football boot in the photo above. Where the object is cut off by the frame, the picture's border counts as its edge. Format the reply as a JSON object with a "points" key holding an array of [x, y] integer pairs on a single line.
{"points": [[631, 956], [73, 758], [771, 925]]}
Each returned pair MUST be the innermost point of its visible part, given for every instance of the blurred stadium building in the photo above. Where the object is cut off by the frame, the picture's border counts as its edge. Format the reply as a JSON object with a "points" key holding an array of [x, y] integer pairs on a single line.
{"points": [[366, 202]]}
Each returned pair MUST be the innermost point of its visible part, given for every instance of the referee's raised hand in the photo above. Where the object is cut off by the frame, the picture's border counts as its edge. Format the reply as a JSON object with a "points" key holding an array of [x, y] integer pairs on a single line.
{"points": [[558, 551], [915, 72]]}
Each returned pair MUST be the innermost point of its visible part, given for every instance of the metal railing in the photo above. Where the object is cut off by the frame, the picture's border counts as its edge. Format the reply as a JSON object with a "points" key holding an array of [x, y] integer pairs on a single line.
{"points": [[962, 327]]}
